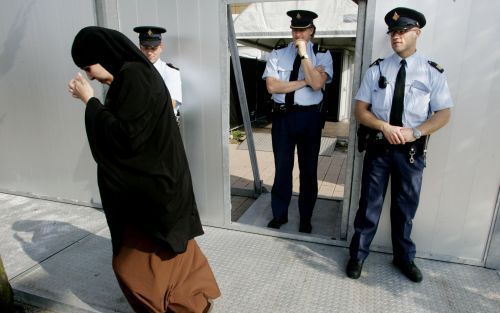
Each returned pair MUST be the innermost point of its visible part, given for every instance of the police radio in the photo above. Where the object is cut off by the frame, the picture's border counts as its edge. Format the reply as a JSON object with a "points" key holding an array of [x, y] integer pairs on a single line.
{"points": [[382, 81]]}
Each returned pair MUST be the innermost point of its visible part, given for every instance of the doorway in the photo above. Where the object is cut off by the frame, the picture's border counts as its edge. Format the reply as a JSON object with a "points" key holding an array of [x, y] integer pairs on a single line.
{"points": [[251, 208]]}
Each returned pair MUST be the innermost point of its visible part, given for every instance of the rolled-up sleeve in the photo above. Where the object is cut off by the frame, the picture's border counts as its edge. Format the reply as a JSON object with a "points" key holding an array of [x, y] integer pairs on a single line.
{"points": [[440, 94], [271, 66], [365, 89]]}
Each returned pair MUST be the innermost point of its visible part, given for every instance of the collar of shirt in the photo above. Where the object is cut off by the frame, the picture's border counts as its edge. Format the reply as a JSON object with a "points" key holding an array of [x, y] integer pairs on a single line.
{"points": [[411, 61]]}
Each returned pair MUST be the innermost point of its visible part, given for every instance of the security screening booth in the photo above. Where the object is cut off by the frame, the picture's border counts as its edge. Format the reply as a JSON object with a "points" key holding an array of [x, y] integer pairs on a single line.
{"points": [[45, 153]]}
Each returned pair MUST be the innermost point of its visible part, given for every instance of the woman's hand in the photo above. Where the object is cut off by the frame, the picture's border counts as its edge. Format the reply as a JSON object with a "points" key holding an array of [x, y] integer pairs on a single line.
{"points": [[80, 88]]}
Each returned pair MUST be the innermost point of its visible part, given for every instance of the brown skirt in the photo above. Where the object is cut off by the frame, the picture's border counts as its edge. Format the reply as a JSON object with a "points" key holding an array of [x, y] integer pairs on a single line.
{"points": [[154, 279]]}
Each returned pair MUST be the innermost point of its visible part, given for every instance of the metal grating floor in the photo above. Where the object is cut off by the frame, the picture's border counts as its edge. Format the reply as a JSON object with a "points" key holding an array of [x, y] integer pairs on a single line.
{"points": [[264, 274], [65, 254], [325, 221]]}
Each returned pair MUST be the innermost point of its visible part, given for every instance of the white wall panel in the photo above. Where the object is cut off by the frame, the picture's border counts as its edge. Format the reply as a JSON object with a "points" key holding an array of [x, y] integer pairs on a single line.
{"points": [[193, 43], [43, 148]]}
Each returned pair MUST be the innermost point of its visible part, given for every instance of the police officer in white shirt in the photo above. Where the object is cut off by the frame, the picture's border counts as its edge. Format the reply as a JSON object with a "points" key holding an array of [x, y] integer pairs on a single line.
{"points": [[401, 101], [151, 45], [295, 75]]}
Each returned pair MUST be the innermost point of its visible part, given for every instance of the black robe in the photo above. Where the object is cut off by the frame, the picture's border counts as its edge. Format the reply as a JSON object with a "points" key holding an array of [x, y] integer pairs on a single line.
{"points": [[143, 173]]}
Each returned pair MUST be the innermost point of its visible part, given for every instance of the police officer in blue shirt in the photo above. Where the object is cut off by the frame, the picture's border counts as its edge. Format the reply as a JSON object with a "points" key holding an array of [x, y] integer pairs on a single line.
{"points": [[295, 74], [401, 101]]}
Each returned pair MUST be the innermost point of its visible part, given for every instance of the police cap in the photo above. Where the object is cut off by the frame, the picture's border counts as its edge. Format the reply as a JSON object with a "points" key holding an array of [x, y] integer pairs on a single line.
{"points": [[301, 18], [404, 18], [150, 35]]}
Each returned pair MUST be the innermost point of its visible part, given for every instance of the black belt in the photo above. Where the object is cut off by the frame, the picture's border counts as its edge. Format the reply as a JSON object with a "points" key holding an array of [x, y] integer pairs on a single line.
{"points": [[304, 108], [374, 140], [283, 108], [377, 142], [379, 139]]}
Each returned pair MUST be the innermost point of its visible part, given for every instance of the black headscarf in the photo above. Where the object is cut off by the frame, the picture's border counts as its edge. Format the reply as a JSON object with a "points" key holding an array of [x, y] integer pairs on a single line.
{"points": [[143, 173], [107, 47]]}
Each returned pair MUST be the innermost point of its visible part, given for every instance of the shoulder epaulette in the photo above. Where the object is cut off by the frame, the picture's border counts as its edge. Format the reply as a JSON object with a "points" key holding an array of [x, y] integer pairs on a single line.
{"points": [[317, 48], [376, 62], [281, 46], [172, 66], [436, 66]]}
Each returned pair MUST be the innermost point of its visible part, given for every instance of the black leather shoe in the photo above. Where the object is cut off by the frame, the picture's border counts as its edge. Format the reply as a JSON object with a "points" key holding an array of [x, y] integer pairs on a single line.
{"points": [[276, 223], [410, 270], [354, 268], [305, 226]]}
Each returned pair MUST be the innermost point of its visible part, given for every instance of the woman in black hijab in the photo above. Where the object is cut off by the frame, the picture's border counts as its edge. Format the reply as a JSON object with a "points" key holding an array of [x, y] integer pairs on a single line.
{"points": [[143, 177]]}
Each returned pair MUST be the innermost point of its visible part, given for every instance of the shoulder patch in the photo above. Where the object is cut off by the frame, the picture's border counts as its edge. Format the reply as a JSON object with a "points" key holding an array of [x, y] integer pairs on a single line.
{"points": [[172, 66], [376, 62], [436, 66]]}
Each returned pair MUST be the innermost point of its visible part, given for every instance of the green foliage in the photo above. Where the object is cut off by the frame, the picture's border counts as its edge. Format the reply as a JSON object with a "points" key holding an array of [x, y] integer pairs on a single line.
{"points": [[237, 135]]}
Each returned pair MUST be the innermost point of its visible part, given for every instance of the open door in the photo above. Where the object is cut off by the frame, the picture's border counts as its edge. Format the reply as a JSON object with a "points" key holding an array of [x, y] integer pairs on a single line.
{"points": [[251, 154]]}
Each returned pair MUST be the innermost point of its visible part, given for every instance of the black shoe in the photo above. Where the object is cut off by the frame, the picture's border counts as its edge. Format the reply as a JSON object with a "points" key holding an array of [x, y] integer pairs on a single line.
{"points": [[354, 268], [276, 223], [305, 226], [410, 270]]}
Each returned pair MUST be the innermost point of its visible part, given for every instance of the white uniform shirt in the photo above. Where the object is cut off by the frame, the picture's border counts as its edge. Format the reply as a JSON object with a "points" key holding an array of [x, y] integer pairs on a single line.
{"points": [[426, 89], [280, 66], [172, 78]]}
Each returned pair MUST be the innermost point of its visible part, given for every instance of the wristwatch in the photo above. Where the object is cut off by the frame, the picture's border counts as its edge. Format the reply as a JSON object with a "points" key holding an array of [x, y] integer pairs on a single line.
{"points": [[416, 133], [305, 56]]}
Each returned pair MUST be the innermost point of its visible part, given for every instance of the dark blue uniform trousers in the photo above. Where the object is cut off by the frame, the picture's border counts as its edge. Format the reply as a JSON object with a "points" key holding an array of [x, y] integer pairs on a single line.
{"points": [[301, 129], [406, 181]]}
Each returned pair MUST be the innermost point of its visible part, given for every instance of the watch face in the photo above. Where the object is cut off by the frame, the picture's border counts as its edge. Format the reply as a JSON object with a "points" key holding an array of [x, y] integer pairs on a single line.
{"points": [[416, 133]]}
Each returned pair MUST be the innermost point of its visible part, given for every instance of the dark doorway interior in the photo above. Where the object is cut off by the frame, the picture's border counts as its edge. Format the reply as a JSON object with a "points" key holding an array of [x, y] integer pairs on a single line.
{"points": [[332, 90], [255, 88]]}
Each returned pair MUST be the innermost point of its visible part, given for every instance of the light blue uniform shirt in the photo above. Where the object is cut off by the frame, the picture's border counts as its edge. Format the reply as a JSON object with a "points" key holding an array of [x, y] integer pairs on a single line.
{"points": [[280, 66], [426, 89]]}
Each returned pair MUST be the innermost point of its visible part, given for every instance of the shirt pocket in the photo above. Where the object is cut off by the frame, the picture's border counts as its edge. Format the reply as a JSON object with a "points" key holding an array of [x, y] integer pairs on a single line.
{"points": [[284, 71], [418, 102], [380, 104]]}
